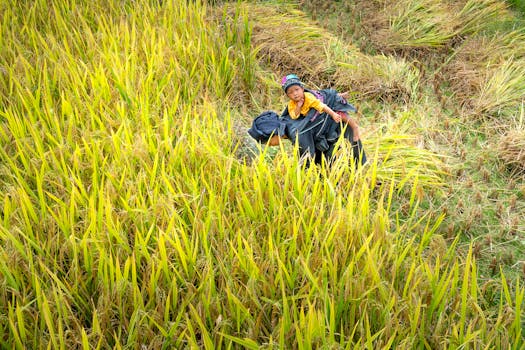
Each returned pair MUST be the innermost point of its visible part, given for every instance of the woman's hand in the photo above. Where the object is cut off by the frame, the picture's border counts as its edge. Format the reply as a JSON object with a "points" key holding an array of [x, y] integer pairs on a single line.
{"points": [[356, 136], [344, 95]]}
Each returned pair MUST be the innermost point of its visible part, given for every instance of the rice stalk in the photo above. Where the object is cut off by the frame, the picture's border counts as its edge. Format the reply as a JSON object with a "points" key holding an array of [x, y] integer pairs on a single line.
{"points": [[420, 23], [476, 16]]}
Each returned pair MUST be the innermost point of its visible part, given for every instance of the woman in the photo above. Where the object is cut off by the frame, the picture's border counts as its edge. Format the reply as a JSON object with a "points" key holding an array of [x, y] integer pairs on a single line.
{"points": [[315, 131]]}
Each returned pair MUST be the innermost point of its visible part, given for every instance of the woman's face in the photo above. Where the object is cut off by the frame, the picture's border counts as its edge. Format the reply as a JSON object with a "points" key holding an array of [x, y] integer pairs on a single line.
{"points": [[295, 93]]}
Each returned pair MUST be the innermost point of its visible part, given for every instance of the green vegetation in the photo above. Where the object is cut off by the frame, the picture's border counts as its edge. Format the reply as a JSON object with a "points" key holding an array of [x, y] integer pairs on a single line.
{"points": [[518, 4], [136, 213]]}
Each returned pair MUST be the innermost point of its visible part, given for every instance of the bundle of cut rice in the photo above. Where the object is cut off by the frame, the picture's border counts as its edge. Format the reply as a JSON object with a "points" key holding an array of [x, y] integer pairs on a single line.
{"points": [[511, 149], [289, 42]]}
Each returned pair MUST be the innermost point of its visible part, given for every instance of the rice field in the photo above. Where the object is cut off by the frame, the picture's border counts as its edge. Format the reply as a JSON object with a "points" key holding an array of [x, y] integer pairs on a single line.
{"points": [[130, 222]]}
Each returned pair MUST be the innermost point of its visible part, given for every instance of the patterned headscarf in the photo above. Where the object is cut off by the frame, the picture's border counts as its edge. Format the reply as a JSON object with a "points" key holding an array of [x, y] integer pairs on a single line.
{"points": [[289, 80]]}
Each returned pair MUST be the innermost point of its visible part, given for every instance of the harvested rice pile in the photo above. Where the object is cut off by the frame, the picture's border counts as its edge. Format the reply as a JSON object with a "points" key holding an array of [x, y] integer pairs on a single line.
{"points": [[487, 74], [425, 24], [511, 149], [290, 42]]}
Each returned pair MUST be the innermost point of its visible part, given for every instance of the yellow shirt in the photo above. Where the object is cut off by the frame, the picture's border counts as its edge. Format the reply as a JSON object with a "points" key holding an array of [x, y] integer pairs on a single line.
{"points": [[310, 101]]}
